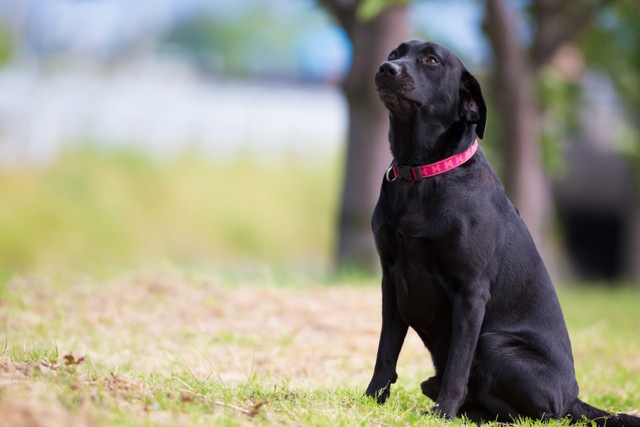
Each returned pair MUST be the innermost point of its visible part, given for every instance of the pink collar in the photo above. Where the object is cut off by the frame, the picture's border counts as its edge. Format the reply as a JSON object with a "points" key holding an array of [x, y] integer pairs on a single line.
{"points": [[416, 173]]}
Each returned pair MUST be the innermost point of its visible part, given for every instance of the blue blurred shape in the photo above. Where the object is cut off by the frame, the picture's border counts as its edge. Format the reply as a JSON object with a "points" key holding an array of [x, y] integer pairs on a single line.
{"points": [[323, 53]]}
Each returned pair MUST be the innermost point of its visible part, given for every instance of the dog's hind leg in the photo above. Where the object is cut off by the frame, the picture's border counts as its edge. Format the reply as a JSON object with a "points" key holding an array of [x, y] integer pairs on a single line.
{"points": [[525, 389], [519, 376]]}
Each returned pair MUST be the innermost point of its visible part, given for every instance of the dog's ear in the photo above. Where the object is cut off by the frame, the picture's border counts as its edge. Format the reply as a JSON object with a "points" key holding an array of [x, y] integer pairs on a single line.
{"points": [[472, 106]]}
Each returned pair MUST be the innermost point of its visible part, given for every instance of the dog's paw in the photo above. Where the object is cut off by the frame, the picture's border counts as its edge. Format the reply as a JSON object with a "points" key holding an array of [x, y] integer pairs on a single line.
{"points": [[443, 412], [380, 386], [381, 394]]}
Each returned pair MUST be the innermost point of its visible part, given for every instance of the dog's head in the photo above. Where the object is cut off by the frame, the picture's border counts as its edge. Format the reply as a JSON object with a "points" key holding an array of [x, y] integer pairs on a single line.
{"points": [[430, 78]]}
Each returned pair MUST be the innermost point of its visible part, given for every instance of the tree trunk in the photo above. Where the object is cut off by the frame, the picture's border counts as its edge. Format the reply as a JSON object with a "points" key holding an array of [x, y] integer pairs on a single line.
{"points": [[367, 154], [513, 86]]}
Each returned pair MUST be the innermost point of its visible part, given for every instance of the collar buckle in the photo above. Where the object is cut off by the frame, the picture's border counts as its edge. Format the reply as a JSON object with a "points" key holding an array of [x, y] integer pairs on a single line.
{"points": [[391, 169]]}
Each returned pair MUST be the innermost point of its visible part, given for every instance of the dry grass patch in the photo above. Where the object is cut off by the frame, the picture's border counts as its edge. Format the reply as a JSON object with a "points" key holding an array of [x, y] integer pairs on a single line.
{"points": [[157, 342], [179, 348]]}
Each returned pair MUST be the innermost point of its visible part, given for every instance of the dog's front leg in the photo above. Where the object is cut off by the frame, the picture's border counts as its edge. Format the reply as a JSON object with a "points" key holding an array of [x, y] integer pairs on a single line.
{"points": [[468, 313], [392, 335]]}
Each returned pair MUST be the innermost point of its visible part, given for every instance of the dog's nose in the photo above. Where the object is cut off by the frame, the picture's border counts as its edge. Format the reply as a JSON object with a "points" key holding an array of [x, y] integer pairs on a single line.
{"points": [[389, 68]]}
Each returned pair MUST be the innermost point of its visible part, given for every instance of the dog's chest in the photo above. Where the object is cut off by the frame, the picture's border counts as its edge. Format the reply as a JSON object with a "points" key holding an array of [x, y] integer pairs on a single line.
{"points": [[417, 234], [415, 271]]}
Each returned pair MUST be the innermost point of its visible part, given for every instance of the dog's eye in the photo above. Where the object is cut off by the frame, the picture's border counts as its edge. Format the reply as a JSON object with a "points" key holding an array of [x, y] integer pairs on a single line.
{"points": [[431, 60], [393, 55]]}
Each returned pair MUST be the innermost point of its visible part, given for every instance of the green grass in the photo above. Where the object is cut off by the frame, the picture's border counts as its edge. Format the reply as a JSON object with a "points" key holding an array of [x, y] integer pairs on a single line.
{"points": [[127, 398], [177, 347], [234, 336], [92, 209]]}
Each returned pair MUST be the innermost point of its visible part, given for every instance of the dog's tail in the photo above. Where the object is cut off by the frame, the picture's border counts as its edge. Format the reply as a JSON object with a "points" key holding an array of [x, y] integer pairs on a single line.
{"points": [[581, 411]]}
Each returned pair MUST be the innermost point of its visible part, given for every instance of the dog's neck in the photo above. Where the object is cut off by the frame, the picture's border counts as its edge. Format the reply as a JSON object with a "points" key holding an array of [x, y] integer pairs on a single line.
{"points": [[416, 141]]}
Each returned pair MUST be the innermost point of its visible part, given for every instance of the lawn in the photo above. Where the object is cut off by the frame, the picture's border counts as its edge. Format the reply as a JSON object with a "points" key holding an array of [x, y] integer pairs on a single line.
{"points": [[221, 339], [179, 347]]}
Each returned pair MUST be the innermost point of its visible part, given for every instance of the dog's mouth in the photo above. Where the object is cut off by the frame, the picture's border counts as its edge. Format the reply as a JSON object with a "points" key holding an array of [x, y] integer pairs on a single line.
{"points": [[386, 94], [391, 97]]}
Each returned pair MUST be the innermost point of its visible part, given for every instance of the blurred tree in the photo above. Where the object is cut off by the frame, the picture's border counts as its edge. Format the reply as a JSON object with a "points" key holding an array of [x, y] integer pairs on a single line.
{"points": [[374, 27], [613, 47], [522, 46]]}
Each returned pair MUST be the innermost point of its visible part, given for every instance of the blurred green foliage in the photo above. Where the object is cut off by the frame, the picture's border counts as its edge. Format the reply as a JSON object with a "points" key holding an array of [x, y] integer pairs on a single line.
{"points": [[369, 9], [6, 46], [92, 208], [558, 98], [237, 45], [612, 46]]}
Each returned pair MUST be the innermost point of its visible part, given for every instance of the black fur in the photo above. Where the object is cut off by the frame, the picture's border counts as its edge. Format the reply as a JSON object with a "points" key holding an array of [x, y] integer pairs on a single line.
{"points": [[458, 263]]}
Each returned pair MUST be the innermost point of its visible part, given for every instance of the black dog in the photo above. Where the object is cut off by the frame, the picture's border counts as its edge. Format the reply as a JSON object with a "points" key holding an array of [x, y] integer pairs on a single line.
{"points": [[458, 263]]}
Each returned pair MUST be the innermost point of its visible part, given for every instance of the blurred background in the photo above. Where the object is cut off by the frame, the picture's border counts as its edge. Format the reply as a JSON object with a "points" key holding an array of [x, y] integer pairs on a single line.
{"points": [[246, 135]]}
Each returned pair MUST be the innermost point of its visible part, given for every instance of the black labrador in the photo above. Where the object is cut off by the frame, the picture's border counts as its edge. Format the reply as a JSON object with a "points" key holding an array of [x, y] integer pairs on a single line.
{"points": [[458, 263]]}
